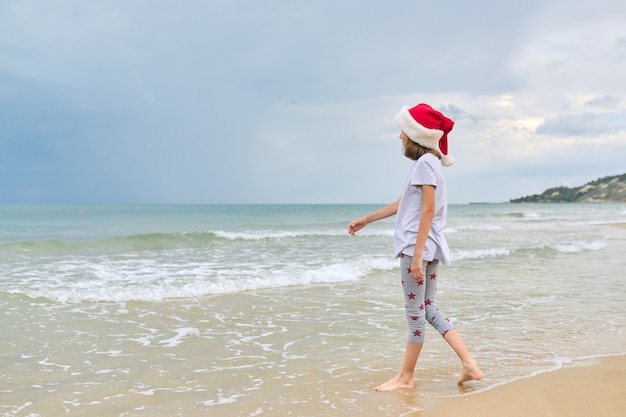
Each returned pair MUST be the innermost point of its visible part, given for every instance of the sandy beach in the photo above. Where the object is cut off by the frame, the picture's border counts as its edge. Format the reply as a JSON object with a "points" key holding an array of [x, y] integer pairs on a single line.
{"points": [[591, 388]]}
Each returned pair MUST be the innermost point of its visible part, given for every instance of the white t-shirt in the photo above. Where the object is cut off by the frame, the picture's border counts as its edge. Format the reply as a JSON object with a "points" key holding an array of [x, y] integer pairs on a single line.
{"points": [[427, 170]]}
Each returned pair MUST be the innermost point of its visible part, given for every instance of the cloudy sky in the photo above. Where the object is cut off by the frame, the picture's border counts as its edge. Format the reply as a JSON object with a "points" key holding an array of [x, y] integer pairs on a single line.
{"points": [[292, 101]]}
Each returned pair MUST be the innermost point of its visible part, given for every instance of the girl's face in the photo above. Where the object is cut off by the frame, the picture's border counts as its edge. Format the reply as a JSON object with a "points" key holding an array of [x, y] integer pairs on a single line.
{"points": [[404, 138]]}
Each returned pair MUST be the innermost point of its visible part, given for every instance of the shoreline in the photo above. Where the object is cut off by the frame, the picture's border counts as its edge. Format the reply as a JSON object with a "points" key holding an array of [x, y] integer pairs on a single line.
{"points": [[591, 387]]}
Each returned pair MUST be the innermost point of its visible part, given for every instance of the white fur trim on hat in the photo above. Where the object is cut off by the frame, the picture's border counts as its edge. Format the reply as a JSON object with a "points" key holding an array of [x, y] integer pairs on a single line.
{"points": [[429, 138]]}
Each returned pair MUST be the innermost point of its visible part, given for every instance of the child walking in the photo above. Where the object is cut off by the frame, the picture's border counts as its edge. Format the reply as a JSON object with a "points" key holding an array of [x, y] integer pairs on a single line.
{"points": [[419, 241]]}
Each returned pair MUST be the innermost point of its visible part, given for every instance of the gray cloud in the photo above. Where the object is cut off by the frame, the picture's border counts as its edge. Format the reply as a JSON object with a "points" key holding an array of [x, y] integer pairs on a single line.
{"points": [[588, 124], [606, 102], [457, 114]]}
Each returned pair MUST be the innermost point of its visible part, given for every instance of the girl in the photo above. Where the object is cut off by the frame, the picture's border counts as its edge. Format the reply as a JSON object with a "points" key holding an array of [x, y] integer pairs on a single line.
{"points": [[419, 241]]}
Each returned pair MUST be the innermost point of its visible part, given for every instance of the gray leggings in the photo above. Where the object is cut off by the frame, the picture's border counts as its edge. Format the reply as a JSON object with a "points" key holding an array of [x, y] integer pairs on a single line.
{"points": [[420, 297]]}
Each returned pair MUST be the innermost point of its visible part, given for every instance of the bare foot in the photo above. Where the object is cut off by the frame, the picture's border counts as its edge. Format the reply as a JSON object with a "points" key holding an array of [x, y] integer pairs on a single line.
{"points": [[395, 383], [470, 372]]}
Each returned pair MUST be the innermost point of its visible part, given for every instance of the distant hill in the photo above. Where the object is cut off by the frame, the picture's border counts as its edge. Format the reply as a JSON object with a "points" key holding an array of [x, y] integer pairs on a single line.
{"points": [[604, 190]]}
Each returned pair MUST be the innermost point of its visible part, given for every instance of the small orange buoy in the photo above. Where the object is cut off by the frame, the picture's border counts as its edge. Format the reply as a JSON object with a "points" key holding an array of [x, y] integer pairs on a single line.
{"points": [[80, 212]]}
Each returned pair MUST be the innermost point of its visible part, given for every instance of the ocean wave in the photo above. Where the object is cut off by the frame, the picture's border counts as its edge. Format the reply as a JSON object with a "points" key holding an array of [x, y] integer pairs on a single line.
{"points": [[161, 241], [458, 255], [142, 280], [532, 215], [289, 234], [579, 246], [516, 214], [275, 234], [475, 227], [107, 245], [562, 247]]}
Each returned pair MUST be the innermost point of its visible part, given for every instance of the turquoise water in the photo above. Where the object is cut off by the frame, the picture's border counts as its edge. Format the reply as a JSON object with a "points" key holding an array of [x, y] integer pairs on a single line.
{"points": [[251, 310]]}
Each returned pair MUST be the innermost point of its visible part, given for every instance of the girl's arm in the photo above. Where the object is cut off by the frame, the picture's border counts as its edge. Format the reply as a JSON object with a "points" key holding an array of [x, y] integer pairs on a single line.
{"points": [[387, 211], [426, 219]]}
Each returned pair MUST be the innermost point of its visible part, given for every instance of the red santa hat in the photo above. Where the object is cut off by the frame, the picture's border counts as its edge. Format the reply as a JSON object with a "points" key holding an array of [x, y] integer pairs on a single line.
{"points": [[427, 127]]}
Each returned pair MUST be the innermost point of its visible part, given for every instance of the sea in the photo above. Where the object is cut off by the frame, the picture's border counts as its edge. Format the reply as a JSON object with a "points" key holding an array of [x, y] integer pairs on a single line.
{"points": [[275, 310]]}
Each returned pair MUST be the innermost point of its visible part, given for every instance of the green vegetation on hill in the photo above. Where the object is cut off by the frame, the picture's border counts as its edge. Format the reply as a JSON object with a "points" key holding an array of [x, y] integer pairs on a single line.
{"points": [[604, 190]]}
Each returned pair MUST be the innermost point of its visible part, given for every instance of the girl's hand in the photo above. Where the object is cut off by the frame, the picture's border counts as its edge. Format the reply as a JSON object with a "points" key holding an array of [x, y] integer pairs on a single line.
{"points": [[356, 225], [417, 271], [389, 210]]}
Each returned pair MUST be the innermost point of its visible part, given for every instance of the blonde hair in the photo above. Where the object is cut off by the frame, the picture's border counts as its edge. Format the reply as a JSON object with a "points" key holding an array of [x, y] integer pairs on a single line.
{"points": [[414, 151]]}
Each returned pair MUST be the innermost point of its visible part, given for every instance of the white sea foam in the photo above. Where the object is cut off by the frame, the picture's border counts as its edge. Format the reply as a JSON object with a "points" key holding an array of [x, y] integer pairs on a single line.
{"points": [[276, 234], [458, 255], [180, 335], [258, 235], [288, 234], [480, 227], [223, 400], [580, 246], [532, 215]]}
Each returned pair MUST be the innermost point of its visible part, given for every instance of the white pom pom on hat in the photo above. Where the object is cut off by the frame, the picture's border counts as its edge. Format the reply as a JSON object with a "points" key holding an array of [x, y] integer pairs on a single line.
{"points": [[447, 160], [427, 127]]}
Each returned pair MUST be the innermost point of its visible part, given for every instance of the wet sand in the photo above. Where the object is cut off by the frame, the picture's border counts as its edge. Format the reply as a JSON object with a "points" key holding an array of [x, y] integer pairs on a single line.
{"points": [[595, 387]]}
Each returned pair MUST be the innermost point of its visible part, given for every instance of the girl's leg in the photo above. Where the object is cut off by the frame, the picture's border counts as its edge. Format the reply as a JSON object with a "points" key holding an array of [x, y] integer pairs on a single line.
{"points": [[416, 318], [415, 301], [404, 379], [443, 325], [470, 367], [434, 316]]}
